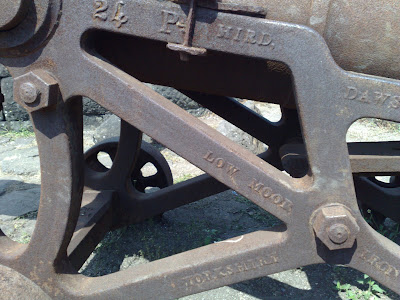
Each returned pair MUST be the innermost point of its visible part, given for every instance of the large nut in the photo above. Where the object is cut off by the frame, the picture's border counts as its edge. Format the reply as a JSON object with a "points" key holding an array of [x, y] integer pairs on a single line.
{"points": [[335, 227], [25, 25], [36, 90]]}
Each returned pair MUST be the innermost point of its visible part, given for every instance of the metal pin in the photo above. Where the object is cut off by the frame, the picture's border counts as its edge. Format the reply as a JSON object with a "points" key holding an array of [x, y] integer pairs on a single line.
{"points": [[186, 48]]}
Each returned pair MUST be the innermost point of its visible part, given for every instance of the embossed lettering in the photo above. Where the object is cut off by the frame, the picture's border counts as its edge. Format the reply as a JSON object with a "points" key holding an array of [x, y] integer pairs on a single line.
{"points": [[364, 97], [256, 186], [265, 39], [228, 270], [378, 263], [251, 37], [119, 17], [232, 170], [198, 278], [169, 18], [101, 12], [224, 31], [287, 205], [352, 93], [378, 97], [240, 267], [240, 35], [381, 98], [372, 97], [221, 163], [101, 7], [277, 199], [207, 274], [208, 157], [237, 35], [383, 266], [373, 259], [395, 103], [267, 193]]}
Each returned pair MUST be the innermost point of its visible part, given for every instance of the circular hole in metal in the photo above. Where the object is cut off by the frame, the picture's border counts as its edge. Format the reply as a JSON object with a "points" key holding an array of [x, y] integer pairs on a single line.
{"points": [[105, 159], [149, 170]]}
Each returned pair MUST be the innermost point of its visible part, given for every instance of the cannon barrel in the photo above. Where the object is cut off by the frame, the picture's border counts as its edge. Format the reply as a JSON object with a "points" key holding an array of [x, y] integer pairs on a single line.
{"points": [[327, 195], [363, 35]]}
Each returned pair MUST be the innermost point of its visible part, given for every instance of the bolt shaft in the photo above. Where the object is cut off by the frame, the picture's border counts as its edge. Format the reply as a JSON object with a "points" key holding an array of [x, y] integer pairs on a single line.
{"points": [[338, 233], [28, 92]]}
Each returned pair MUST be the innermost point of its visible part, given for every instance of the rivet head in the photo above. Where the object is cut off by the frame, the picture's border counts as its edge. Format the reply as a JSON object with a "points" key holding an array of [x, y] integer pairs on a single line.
{"points": [[28, 92]]}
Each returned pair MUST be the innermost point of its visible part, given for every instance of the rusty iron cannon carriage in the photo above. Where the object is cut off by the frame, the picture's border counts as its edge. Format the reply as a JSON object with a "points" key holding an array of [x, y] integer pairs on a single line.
{"points": [[327, 63]]}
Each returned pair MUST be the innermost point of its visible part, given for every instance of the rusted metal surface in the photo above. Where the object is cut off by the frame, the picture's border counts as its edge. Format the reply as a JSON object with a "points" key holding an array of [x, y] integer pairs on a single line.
{"points": [[95, 220], [335, 227], [16, 286], [185, 49], [57, 62], [36, 90], [12, 13], [39, 23], [230, 6], [362, 35]]}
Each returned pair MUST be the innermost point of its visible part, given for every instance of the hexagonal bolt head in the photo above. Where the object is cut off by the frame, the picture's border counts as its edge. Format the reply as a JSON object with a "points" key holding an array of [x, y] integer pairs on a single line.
{"points": [[335, 227], [36, 90]]}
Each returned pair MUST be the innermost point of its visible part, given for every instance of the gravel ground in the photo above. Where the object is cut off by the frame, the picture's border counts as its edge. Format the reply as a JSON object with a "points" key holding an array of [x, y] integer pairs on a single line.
{"points": [[212, 219]]}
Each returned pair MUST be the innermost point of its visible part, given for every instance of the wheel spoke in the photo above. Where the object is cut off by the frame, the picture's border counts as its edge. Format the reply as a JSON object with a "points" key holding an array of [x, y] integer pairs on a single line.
{"points": [[94, 222], [61, 162], [378, 257], [94, 164], [153, 181], [126, 154], [223, 263]]}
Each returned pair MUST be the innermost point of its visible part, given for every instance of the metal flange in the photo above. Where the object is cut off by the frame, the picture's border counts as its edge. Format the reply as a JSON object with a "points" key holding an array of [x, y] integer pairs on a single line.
{"points": [[12, 13], [25, 25]]}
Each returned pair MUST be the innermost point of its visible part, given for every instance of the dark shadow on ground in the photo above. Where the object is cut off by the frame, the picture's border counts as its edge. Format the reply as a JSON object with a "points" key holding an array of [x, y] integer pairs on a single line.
{"points": [[19, 203], [212, 219], [18, 198]]}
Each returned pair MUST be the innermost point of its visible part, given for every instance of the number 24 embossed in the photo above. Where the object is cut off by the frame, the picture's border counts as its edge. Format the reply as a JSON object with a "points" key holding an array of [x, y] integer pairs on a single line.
{"points": [[101, 12]]}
